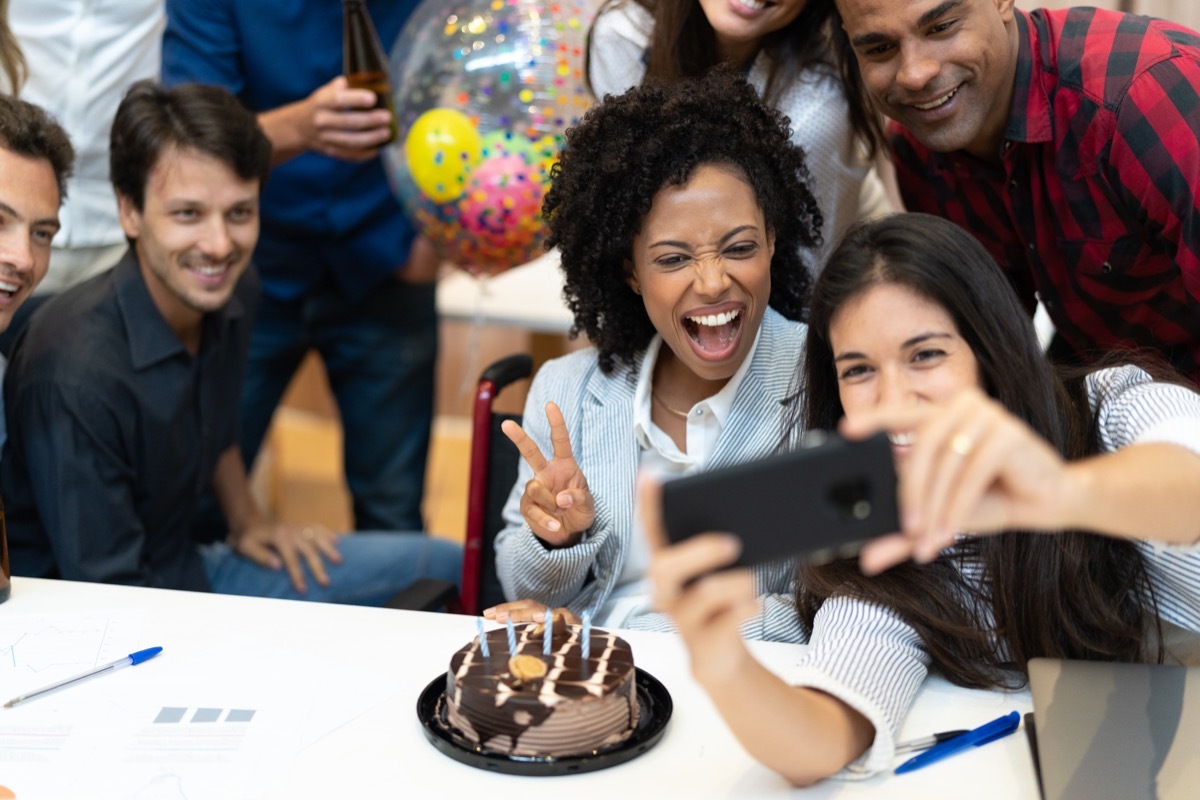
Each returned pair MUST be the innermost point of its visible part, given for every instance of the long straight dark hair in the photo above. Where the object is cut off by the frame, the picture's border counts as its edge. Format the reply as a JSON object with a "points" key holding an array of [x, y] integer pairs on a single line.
{"points": [[995, 601], [683, 44]]}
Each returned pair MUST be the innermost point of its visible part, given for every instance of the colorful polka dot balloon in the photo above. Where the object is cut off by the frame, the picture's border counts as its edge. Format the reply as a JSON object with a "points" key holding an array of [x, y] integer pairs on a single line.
{"points": [[484, 91]]}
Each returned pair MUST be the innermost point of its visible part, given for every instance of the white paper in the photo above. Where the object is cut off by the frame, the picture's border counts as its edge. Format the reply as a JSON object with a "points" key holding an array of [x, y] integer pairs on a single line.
{"points": [[225, 723]]}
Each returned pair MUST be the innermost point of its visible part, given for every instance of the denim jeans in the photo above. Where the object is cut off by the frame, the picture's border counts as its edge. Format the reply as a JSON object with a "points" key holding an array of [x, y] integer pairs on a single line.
{"points": [[379, 354], [374, 567]]}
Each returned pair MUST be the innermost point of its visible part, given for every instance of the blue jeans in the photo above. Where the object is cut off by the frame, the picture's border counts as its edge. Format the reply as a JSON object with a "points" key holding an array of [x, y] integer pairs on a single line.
{"points": [[379, 354], [374, 567]]}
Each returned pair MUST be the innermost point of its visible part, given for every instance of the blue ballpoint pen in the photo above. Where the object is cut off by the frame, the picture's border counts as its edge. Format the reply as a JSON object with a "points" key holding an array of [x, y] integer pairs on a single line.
{"points": [[127, 661], [996, 729], [926, 742]]}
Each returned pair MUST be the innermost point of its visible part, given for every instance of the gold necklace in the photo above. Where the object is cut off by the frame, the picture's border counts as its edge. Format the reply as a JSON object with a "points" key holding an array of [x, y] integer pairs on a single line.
{"points": [[663, 403]]}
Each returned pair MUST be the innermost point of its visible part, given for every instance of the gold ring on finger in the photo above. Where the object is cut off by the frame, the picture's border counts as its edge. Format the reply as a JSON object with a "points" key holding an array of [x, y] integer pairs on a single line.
{"points": [[961, 444], [308, 534]]}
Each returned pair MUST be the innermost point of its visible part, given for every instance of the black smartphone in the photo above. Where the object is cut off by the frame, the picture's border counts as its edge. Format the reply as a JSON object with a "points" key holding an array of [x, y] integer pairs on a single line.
{"points": [[818, 502]]}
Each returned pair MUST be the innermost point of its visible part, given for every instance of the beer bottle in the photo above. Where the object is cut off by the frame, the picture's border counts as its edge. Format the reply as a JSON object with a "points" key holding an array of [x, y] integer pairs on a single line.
{"points": [[363, 59], [5, 574]]}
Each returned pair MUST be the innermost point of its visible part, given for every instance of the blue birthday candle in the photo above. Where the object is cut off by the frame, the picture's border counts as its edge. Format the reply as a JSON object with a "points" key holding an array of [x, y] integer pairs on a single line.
{"points": [[548, 634], [512, 639], [587, 634], [483, 645]]}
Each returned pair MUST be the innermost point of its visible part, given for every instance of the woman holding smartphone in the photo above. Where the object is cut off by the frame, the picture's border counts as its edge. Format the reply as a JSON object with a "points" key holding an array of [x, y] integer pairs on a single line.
{"points": [[1078, 492]]}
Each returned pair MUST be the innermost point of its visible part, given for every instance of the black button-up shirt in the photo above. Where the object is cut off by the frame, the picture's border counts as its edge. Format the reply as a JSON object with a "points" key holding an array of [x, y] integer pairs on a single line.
{"points": [[114, 431]]}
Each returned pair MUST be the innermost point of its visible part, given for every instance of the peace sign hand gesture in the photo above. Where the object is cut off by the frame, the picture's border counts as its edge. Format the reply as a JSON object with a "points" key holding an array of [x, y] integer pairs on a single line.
{"points": [[557, 504]]}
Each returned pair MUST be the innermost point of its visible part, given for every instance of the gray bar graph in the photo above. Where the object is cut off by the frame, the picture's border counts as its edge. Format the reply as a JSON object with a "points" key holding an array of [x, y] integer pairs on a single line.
{"points": [[171, 715]]}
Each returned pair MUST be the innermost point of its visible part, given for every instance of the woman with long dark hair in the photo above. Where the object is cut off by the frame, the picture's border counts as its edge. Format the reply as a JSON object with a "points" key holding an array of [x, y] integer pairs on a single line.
{"points": [[1087, 484], [783, 49]]}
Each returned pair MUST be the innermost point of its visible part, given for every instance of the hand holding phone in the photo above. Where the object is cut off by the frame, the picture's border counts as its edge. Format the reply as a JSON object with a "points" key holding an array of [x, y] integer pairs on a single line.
{"points": [[816, 503]]}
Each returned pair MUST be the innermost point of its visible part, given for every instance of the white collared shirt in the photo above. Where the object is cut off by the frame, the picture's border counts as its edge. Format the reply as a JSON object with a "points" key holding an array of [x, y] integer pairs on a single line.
{"points": [[659, 456], [82, 58]]}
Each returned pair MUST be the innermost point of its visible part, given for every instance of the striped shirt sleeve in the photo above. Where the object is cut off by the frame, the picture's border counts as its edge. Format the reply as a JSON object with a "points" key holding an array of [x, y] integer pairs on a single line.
{"points": [[1131, 408], [867, 657]]}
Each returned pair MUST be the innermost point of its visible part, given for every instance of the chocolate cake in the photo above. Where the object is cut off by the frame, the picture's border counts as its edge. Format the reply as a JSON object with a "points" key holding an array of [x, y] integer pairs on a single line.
{"points": [[526, 704]]}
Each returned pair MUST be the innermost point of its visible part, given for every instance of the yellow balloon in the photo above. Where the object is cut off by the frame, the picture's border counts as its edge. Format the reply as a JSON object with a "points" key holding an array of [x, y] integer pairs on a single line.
{"points": [[441, 149]]}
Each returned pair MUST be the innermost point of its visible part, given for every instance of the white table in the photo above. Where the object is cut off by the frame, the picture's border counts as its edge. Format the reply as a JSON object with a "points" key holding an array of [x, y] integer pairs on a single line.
{"points": [[528, 296], [383, 753]]}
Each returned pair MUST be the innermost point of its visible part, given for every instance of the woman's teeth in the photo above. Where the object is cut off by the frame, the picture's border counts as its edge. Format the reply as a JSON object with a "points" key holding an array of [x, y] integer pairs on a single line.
{"points": [[753, 5], [716, 320], [901, 439]]}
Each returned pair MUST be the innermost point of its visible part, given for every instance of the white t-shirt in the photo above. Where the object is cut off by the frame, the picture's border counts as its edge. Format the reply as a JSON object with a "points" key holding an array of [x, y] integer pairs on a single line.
{"points": [[659, 456], [82, 58]]}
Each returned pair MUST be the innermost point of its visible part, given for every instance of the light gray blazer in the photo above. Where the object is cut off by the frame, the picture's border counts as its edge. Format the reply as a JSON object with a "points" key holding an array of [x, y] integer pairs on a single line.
{"points": [[598, 410]]}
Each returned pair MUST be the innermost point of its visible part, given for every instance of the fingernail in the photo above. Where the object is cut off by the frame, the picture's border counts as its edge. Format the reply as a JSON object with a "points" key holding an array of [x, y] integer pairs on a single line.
{"points": [[564, 500], [539, 616], [489, 612], [552, 525]]}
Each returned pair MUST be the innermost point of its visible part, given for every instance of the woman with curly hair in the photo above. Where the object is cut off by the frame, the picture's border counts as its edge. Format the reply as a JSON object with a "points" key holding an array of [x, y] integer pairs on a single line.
{"points": [[783, 49], [680, 213], [1085, 483]]}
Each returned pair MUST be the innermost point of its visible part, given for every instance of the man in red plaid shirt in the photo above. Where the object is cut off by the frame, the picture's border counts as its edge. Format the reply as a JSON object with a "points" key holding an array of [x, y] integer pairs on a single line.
{"points": [[1067, 142]]}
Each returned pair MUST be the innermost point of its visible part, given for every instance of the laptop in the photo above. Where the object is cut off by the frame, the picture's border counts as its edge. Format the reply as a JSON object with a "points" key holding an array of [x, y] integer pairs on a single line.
{"points": [[1106, 730]]}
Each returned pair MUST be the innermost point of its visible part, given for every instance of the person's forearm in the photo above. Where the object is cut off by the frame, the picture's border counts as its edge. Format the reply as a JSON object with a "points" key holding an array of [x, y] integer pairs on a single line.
{"points": [[1147, 491], [285, 127], [803, 734], [232, 490]]}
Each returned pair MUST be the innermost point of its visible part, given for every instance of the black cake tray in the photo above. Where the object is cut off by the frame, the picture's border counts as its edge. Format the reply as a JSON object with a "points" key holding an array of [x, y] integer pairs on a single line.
{"points": [[654, 711]]}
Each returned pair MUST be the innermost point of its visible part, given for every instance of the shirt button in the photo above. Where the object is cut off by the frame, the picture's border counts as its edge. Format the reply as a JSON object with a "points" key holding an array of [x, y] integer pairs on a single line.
{"points": [[1032, 247], [1012, 185], [1106, 267]]}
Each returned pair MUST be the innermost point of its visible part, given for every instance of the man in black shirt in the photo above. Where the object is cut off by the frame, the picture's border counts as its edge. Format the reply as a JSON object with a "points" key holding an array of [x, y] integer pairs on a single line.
{"points": [[36, 159], [123, 392]]}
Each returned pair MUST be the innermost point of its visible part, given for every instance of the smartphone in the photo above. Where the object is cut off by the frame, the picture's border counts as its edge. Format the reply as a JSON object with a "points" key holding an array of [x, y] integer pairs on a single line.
{"points": [[816, 503]]}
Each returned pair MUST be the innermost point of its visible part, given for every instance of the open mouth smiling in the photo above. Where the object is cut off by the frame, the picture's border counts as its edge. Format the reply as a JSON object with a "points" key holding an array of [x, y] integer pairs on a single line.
{"points": [[714, 332]]}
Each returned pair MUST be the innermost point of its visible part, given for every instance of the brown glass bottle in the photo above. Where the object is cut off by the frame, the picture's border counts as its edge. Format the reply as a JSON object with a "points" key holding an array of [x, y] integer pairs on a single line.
{"points": [[5, 574], [363, 59]]}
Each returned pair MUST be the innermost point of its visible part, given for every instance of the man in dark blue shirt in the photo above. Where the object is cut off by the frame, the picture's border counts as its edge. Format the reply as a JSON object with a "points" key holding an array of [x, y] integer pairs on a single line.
{"points": [[36, 158], [122, 390], [339, 271]]}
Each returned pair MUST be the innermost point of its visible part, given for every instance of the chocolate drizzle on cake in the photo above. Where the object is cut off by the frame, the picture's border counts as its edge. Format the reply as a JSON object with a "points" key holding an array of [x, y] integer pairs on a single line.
{"points": [[577, 707]]}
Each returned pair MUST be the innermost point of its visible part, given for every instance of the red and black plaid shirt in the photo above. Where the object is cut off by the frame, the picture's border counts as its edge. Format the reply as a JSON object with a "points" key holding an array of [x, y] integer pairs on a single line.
{"points": [[1096, 203]]}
